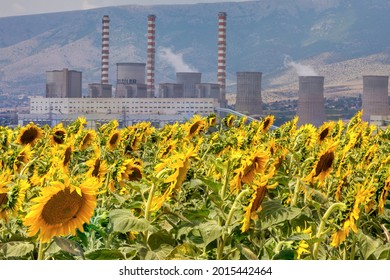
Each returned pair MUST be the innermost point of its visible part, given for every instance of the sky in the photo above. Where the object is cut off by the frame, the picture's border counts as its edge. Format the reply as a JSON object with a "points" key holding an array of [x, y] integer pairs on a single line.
{"points": [[28, 7]]}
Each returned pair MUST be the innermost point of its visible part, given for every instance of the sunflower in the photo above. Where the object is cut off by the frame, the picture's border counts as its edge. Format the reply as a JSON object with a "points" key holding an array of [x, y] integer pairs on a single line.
{"points": [[12, 194], [97, 168], [325, 161], [22, 159], [325, 130], [29, 134], [61, 209], [196, 125], [382, 198], [58, 134], [130, 170], [114, 139], [212, 120], [87, 139], [229, 120], [5, 179], [250, 165], [267, 122]]}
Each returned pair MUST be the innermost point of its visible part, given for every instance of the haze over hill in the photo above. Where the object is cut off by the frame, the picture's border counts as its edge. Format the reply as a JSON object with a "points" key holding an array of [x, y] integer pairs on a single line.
{"points": [[339, 39]]}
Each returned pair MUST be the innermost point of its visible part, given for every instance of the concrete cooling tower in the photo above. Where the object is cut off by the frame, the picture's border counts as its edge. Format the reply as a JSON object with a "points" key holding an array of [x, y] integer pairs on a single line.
{"points": [[248, 99], [375, 96], [189, 81], [311, 101]]}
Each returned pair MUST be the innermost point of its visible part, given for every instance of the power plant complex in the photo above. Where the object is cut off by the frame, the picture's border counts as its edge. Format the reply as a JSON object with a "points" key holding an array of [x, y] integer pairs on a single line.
{"points": [[136, 99]]}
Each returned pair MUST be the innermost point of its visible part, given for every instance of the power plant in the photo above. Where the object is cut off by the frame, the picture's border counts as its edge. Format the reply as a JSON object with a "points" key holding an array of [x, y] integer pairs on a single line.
{"points": [[136, 99], [375, 96], [311, 101], [248, 98]]}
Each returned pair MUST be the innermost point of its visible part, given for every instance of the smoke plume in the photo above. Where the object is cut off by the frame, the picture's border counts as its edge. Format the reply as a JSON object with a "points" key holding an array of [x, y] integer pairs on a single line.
{"points": [[301, 69], [175, 60]]}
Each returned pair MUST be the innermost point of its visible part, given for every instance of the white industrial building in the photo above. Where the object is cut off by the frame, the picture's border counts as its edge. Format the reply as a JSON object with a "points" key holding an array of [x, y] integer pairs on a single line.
{"points": [[127, 111]]}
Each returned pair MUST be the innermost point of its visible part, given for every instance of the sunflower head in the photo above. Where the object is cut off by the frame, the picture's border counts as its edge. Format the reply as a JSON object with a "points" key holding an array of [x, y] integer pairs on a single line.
{"points": [[29, 134], [114, 139], [267, 122], [61, 208], [58, 134], [195, 126]]}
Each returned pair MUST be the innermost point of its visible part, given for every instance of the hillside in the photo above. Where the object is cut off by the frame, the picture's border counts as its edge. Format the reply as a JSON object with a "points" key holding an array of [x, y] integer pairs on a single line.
{"points": [[340, 39]]}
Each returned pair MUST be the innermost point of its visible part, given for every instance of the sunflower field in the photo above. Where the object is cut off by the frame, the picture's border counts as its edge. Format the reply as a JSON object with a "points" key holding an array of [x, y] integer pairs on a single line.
{"points": [[206, 189]]}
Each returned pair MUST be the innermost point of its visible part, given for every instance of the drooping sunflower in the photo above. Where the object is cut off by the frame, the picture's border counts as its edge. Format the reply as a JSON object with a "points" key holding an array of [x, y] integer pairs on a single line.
{"points": [[130, 170], [229, 120], [29, 134], [87, 139], [97, 168], [383, 196], [325, 130], [266, 123], [114, 139], [324, 164], [195, 126], [12, 194], [61, 209], [249, 166], [22, 158], [5, 179]]}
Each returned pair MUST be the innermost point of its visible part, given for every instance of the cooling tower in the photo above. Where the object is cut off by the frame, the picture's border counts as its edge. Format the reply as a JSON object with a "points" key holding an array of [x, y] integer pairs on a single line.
{"points": [[189, 81], [130, 80], [221, 71], [248, 98], [151, 54], [375, 96], [311, 101], [105, 48]]}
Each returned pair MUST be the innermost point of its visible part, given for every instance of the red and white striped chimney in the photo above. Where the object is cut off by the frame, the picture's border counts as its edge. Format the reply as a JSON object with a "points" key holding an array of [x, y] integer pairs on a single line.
{"points": [[151, 55], [221, 74], [105, 48]]}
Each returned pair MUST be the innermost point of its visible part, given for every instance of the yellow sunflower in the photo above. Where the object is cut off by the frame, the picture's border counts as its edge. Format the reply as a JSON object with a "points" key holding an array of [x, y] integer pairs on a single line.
{"points": [[61, 208], [250, 165], [130, 170], [325, 161], [97, 168], [22, 159], [58, 134], [229, 120], [12, 194], [267, 122], [5, 179], [29, 134], [114, 139], [87, 139], [325, 130], [194, 127]]}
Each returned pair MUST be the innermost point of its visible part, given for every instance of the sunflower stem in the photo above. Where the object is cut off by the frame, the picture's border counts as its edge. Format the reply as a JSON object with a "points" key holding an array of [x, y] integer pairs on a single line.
{"points": [[41, 251], [296, 191], [324, 219]]}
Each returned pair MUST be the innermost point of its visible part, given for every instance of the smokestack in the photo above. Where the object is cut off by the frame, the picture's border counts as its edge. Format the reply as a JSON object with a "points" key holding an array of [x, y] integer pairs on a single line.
{"points": [[375, 96], [248, 100], [221, 74], [311, 101], [105, 48], [151, 55]]}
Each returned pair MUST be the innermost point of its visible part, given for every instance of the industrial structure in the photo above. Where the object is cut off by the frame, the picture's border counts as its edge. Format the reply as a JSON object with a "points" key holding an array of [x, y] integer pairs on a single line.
{"points": [[311, 101], [63, 83], [248, 97], [151, 51], [375, 100], [221, 66], [130, 80], [189, 81], [104, 88]]}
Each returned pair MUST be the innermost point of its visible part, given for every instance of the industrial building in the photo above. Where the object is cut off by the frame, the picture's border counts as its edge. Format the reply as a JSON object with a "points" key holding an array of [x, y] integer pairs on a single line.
{"points": [[248, 98], [130, 80], [99, 90], [127, 110], [63, 83], [189, 81], [375, 100], [171, 90], [311, 101], [209, 90]]}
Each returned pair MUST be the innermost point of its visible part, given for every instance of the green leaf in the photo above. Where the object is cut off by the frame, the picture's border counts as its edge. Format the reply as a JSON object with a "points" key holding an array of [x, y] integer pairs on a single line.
{"points": [[157, 239], [246, 252], [124, 221], [286, 254], [69, 246], [214, 186], [183, 251], [105, 254], [273, 213], [210, 231], [367, 245], [16, 249]]}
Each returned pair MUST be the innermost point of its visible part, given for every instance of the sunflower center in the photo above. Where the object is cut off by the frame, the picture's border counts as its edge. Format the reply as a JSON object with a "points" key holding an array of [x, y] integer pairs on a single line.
{"points": [[325, 163], [96, 168], [62, 207], [114, 139], [29, 135], [135, 175], [68, 153], [324, 133], [59, 136]]}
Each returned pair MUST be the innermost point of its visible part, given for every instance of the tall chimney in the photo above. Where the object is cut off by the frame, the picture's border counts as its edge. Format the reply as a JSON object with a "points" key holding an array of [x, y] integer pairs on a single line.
{"points": [[151, 55], [221, 74], [375, 96], [311, 101], [105, 48]]}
